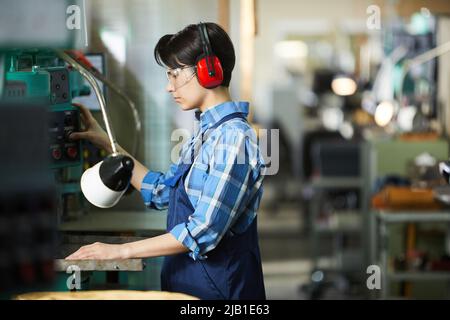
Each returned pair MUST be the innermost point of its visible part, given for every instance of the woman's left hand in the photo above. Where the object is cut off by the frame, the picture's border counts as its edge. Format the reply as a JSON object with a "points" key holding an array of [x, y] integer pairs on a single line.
{"points": [[99, 251]]}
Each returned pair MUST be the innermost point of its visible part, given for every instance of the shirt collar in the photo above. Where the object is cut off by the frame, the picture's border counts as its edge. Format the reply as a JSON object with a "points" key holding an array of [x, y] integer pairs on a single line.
{"points": [[213, 115]]}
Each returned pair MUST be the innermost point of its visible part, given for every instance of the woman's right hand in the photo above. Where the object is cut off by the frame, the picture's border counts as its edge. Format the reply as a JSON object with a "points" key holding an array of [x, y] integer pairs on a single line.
{"points": [[97, 136], [93, 131]]}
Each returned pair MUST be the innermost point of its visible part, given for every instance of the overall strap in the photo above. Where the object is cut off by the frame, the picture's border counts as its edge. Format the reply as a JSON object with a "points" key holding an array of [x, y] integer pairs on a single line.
{"points": [[217, 124], [229, 117], [183, 168], [225, 119], [172, 181]]}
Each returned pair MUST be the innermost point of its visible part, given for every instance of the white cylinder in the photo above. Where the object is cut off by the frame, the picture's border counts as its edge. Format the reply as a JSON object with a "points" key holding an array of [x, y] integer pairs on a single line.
{"points": [[95, 190]]}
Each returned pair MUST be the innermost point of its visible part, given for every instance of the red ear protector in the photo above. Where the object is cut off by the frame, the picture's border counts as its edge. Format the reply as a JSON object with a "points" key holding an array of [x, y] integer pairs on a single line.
{"points": [[209, 68]]}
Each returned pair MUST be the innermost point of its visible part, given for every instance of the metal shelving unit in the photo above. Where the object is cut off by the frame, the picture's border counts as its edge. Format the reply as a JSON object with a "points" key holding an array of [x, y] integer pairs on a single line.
{"points": [[342, 221], [339, 225], [414, 276], [349, 261], [337, 182], [381, 235]]}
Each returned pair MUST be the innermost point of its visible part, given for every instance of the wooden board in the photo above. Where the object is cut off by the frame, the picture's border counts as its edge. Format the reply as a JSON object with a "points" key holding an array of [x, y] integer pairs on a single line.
{"points": [[100, 265], [105, 295]]}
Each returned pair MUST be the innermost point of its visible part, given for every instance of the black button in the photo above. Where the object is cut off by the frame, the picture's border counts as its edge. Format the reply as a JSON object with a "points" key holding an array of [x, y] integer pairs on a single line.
{"points": [[68, 121]]}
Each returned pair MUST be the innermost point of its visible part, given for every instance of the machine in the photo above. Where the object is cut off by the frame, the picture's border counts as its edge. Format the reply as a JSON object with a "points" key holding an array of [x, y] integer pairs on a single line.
{"points": [[40, 166]]}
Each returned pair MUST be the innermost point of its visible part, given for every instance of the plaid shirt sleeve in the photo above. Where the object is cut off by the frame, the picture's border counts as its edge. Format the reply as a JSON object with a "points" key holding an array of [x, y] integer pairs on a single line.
{"points": [[222, 194], [153, 190]]}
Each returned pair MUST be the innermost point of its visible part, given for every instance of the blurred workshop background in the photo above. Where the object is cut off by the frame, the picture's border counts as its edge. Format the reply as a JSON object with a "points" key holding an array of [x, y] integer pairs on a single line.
{"points": [[359, 90]]}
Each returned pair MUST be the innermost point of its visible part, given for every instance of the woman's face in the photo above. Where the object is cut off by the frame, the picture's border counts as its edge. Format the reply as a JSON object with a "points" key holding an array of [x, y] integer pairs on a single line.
{"points": [[184, 87]]}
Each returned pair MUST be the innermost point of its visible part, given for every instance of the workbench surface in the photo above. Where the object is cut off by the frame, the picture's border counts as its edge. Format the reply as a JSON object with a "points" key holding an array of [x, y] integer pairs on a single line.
{"points": [[62, 265]]}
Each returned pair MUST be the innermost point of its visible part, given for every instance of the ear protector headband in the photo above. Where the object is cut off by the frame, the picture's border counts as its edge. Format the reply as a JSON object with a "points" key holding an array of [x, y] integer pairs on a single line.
{"points": [[209, 68]]}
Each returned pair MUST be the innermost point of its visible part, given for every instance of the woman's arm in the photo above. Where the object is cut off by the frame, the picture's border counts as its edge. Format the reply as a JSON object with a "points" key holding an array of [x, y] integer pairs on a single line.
{"points": [[165, 244], [151, 184], [95, 134], [162, 245], [139, 170]]}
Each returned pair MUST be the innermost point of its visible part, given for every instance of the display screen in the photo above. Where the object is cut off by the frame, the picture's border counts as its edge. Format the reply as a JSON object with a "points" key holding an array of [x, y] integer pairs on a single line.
{"points": [[90, 101]]}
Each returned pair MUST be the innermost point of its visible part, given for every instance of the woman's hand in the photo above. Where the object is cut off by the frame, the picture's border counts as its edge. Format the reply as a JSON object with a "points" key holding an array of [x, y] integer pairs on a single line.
{"points": [[93, 131], [99, 251]]}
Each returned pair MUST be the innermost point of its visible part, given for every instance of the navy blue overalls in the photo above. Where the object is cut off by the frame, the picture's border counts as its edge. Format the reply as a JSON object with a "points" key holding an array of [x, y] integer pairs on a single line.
{"points": [[232, 270]]}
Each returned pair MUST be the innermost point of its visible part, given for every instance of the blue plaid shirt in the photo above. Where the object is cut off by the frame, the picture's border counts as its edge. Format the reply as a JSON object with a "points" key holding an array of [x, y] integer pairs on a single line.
{"points": [[224, 183]]}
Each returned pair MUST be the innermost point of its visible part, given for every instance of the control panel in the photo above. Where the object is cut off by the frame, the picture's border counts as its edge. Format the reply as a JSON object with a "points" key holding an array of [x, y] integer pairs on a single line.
{"points": [[64, 152]]}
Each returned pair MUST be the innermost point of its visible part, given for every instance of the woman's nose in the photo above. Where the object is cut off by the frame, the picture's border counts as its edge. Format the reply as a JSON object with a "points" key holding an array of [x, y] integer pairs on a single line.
{"points": [[169, 87]]}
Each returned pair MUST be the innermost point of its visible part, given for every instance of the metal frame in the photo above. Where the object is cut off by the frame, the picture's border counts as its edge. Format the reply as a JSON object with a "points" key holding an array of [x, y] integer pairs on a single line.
{"points": [[362, 183], [380, 241]]}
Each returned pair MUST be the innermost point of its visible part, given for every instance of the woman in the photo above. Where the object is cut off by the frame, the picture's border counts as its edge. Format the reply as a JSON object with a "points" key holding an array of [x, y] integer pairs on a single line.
{"points": [[213, 192]]}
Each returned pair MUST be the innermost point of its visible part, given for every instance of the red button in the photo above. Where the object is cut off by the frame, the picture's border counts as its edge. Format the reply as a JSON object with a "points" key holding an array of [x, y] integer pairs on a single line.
{"points": [[56, 153], [72, 152]]}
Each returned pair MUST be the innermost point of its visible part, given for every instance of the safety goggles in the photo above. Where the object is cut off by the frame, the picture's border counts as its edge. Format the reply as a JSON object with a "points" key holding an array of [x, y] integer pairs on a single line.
{"points": [[179, 77]]}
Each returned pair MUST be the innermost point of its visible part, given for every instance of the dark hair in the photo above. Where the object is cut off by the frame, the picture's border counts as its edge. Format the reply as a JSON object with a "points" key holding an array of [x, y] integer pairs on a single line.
{"points": [[185, 48]]}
